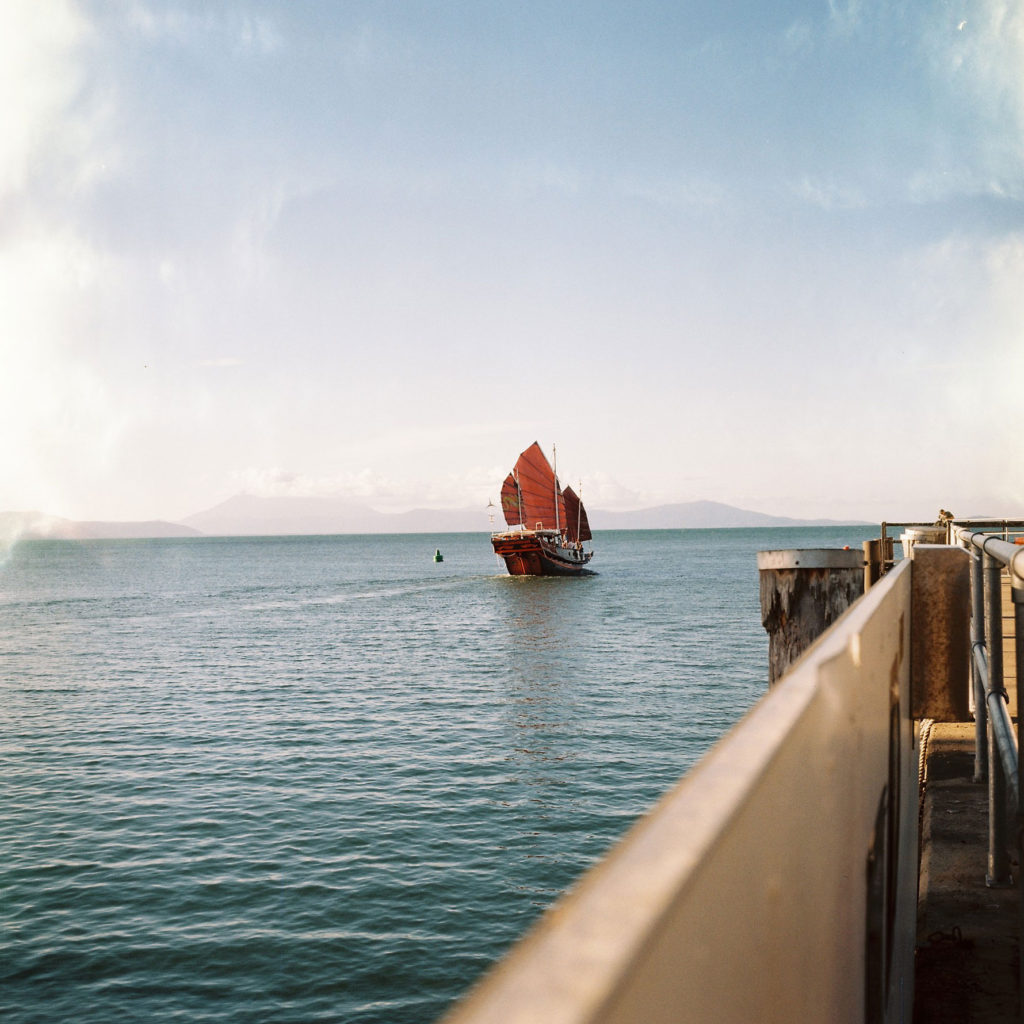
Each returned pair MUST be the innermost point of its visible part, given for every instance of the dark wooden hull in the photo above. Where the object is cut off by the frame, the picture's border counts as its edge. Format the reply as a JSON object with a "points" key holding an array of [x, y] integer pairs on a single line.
{"points": [[526, 554]]}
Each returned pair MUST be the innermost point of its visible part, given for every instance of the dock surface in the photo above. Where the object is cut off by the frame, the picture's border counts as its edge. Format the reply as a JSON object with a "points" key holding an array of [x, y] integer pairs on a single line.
{"points": [[967, 965]]}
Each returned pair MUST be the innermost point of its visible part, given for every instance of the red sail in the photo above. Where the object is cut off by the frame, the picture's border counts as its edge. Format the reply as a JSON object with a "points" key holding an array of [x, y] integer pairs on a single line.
{"points": [[511, 501], [542, 501], [576, 524]]}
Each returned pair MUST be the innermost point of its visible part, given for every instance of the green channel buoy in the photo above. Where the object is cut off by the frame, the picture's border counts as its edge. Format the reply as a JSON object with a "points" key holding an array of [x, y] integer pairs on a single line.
{"points": [[438, 557]]}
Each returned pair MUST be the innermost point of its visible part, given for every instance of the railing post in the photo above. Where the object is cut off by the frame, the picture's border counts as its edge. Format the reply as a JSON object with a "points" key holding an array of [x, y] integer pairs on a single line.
{"points": [[977, 684], [998, 857]]}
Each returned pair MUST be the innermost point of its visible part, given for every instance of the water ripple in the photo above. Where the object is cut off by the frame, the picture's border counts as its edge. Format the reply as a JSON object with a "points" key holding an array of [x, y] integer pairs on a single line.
{"points": [[318, 779]]}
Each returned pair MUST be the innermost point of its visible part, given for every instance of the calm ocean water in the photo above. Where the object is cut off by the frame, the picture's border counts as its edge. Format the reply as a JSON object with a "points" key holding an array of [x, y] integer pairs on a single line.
{"points": [[326, 779]]}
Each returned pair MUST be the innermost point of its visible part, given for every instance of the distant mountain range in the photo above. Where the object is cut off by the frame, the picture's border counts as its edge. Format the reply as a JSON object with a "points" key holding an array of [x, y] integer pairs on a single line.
{"points": [[31, 525], [695, 515], [249, 515]]}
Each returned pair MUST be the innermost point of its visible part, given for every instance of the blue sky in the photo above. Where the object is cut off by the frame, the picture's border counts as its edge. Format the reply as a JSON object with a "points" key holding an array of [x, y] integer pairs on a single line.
{"points": [[765, 254]]}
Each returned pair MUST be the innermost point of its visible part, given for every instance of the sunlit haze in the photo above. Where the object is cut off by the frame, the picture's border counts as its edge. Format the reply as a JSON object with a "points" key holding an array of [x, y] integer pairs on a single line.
{"points": [[763, 254]]}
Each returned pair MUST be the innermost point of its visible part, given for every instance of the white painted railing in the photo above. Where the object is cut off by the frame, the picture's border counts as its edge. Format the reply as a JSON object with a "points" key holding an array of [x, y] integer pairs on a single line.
{"points": [[778, 880]]}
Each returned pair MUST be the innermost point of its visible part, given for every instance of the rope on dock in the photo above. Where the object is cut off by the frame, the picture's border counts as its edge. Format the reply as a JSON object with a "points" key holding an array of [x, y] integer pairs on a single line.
{"points": [[922, 757], [922, 774]]}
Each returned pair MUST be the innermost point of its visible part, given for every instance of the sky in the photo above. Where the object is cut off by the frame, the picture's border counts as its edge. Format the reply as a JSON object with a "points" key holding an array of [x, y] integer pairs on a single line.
{"points": [[765, 254]]}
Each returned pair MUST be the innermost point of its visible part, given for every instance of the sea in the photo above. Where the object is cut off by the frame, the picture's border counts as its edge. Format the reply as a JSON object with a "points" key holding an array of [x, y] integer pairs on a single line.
{"points": [[301, 779]]}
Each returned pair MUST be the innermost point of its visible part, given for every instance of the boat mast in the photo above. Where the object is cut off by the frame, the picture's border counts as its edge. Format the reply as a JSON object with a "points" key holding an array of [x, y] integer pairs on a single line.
{"points": [[579, 515], [554, 455]]}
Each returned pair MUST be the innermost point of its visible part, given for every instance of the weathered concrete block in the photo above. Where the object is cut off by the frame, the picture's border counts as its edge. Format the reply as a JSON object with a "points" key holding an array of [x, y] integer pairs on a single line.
{"points": [[803, 591], [940, 646]]}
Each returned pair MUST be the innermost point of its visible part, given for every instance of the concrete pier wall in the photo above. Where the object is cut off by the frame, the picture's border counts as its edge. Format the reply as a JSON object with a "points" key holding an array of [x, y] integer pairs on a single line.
{"points": [[776, 882]]}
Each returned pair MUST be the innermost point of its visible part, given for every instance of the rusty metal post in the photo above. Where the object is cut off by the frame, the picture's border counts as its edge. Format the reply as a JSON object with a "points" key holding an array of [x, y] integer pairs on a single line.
{"points": [[877, 558], [802, 593]]}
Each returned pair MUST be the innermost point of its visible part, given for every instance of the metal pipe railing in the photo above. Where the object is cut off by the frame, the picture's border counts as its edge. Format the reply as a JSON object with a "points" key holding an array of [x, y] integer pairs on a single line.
{"points": [[1007, 554], [979, 672], [1004, 768], [993, 707], [1006, 743]]}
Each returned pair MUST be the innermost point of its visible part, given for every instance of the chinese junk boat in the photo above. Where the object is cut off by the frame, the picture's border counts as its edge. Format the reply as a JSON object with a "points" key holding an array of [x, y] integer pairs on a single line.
{"points": [[547, 526]]}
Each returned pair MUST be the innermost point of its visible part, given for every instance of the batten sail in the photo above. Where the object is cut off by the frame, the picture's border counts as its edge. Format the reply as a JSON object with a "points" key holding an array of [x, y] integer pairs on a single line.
{"points": [[577, 526], [542, 501], [511, 501]]}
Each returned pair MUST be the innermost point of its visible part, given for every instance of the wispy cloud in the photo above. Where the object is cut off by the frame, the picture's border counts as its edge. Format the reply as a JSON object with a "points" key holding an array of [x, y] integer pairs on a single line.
{"points": [[846, 15], [39, 79], [681, 195], [829, 194], [243, 33], [979, 376], [58, 417], [798, 37], [976, 64]]}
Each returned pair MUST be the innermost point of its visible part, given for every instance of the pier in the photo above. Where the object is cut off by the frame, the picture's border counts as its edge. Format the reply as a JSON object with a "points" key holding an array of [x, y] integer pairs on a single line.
{"points": [[849, 852]]}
